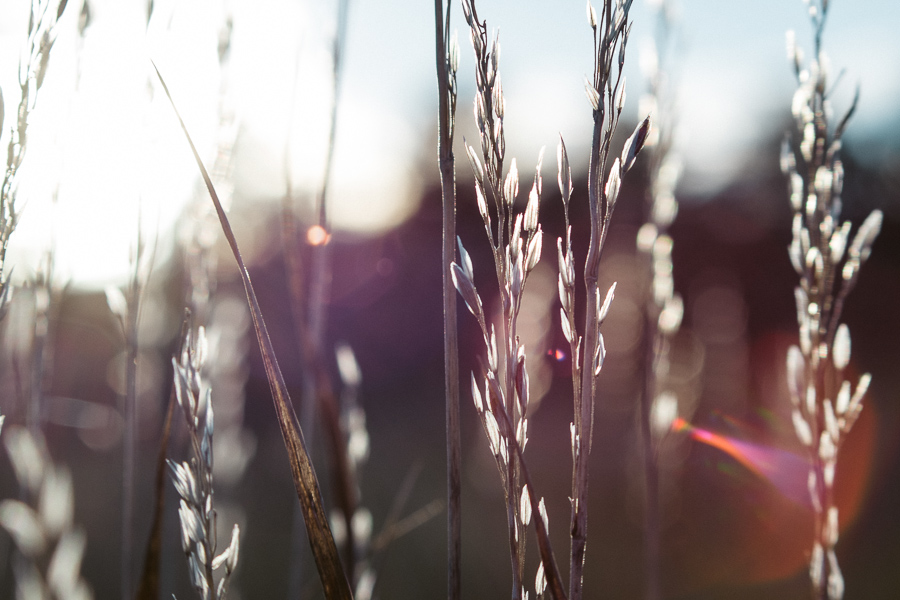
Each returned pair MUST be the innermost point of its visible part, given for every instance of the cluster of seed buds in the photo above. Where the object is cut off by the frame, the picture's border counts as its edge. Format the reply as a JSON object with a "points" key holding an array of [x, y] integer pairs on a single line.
{"points": [[516, 244], [353, 416], [504, 402], [606, 93], [567, 280], [41, 523], [32, 69], [825, 404], [353, 428], [664, 308], [194, 479]]}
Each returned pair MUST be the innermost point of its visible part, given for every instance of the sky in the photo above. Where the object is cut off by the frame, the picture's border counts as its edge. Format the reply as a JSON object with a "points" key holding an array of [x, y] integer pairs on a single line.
{"points": [[106, 144]]}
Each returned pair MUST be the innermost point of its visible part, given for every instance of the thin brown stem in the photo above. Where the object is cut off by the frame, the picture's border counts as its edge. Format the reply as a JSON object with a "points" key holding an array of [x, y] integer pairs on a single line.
{"points": [[608, 42], [447, 105], [148, 587], [130, 417]]}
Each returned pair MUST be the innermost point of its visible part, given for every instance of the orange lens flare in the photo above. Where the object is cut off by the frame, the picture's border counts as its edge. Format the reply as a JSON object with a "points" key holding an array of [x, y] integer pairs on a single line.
{"points": [[785, 470], [776, 535], [317, 236]]}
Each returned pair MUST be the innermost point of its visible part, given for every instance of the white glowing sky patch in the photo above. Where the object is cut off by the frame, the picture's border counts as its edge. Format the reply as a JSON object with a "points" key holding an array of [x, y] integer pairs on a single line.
{"points": [[375, 180], [105, 144], [103, 147], [376, 174], [108, 145]]}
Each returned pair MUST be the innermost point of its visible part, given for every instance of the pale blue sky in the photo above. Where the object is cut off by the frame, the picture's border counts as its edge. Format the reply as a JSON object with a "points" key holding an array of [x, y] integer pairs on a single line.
{"points": [[733, 67]]}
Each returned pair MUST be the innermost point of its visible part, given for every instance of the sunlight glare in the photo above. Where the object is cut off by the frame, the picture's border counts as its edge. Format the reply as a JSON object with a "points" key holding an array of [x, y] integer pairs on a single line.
{"points": [[104, 155], [317, 236]]}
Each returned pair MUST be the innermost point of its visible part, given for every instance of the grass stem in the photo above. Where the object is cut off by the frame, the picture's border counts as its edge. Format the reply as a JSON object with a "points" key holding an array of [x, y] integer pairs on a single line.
{"points": [[447, 109]]}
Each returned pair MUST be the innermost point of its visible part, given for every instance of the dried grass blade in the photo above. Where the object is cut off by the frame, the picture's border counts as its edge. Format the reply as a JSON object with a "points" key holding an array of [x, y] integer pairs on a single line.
{"points": [[328, 562], [148, 586]]}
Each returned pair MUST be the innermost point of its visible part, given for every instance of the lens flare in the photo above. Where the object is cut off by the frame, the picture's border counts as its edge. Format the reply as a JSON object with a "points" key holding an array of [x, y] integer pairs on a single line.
{"points": [[317, 236], [785, 470], [774, 528]]}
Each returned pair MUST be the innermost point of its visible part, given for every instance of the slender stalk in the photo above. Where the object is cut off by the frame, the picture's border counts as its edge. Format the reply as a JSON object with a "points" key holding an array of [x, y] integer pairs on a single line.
{"points": [[606, 94], [663, 308], [148, 587], [447, 108], [651, 466], [130, 439], [320, 279], [129, 321], [584, 403], [293, 252], [41, 347]]}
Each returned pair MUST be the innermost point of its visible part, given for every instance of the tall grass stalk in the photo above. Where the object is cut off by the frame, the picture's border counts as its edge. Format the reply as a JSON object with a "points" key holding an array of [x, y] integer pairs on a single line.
{"points": [[825, 404], [516, 243], [606, 94], [516, 250], [127, 308], [148, 583], [663, 308], [447, 62], [41, 348]]}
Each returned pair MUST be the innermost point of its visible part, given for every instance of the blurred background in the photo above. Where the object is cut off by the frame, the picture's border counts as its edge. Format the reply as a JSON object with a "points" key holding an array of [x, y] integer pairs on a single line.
{"points": [[106, 161]]}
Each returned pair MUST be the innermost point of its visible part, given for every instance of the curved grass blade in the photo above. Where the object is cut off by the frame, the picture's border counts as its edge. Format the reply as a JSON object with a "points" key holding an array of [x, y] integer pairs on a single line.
{"points": [[328, 562]]}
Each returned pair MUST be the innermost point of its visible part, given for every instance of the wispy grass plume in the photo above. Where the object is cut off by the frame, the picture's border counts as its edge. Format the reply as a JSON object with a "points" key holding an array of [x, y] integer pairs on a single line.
{"points": [[193, 479], [516, 241], [825, 403], [41, 522]]}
